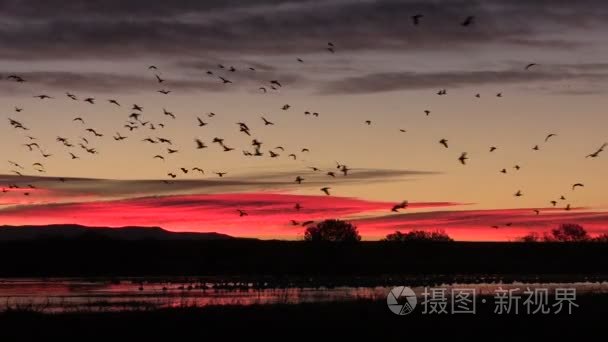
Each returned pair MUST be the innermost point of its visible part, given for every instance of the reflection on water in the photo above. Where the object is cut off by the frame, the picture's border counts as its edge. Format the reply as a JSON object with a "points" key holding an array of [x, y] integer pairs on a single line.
{"points": [[52, 295]]}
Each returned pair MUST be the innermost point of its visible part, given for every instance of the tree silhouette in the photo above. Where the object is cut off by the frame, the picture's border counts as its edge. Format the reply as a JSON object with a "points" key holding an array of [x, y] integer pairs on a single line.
{"points": [[418, 235], [332, 231], [569, 232]]}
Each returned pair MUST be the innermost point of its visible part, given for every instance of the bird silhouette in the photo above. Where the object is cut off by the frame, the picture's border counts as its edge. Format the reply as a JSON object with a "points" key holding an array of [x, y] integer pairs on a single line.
{"points": [[201, 123], [266, 122], [168, 113], [549, 136], [200, 144], [493, 148], [95, 133], [444, 142], [574, 186], [326, 190], [463, 158], [220, 174], [416, 19], [398, 206], [529, 66], [299, 180], [518, 193], [119, 137], [158, 79], [242, 213], [468, 21], [597, 152]]}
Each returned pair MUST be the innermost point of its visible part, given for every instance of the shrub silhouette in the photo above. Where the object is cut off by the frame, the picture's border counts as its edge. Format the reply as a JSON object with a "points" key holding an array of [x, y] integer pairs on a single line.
{"points": [[531, 237], [601, 238], [332, 231], [418, 235], [569, 232]]}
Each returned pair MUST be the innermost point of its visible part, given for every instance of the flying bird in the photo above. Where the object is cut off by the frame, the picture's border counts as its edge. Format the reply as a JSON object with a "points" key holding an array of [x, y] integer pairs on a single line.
{"points": [[444, 142], [468, 21], [549, 136], [574, 186], [326, 190], [398, 206], [463, 158], [200, 144], [416, 18], [597, 152], [529, 66]]}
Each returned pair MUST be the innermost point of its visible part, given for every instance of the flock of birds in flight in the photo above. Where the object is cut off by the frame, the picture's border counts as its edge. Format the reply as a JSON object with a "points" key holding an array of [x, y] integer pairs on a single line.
{"points": [[135, 121]]}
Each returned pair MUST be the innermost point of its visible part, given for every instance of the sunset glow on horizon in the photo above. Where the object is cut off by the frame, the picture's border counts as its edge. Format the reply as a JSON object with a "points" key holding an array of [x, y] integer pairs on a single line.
{"points": [[157, 110]]}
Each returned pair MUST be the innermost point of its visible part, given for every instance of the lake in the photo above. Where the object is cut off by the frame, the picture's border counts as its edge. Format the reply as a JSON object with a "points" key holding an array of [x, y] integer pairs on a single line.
{"points": [[71, 294]]}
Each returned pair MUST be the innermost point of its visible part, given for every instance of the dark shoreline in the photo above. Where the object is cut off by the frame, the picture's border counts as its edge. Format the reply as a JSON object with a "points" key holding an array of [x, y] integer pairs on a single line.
{"points": [[246, 258]]}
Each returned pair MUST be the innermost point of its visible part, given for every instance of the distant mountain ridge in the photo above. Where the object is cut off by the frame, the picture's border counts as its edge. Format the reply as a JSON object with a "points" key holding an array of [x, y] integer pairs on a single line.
{"points": [[73, 231]]}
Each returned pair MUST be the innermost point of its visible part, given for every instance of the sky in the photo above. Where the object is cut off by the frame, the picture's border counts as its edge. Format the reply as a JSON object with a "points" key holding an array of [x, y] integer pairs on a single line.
{"points": [[383, 68]]}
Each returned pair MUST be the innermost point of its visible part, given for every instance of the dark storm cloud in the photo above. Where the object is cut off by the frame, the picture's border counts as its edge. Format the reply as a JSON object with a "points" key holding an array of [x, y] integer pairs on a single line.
{"points": [[279, 181], [188, 81], [104, 82], [124, 29], [392, 81]]}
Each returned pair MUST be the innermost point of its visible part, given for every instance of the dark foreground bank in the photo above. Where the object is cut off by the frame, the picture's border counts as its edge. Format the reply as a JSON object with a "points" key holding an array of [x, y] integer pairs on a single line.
{"points": [[360, 319], [107, 257]]}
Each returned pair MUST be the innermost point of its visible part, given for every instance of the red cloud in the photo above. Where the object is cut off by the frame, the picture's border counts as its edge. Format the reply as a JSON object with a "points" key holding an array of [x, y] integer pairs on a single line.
{"points": [[480, 225], [270, 215]]}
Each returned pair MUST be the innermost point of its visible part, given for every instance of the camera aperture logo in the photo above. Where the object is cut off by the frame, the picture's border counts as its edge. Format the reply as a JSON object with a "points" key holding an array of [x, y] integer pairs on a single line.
{"points": [[401, 300]]}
